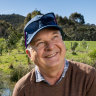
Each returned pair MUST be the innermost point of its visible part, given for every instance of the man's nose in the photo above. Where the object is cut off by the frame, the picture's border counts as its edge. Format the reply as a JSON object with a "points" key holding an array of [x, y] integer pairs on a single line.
{"points": [[49, 46]]}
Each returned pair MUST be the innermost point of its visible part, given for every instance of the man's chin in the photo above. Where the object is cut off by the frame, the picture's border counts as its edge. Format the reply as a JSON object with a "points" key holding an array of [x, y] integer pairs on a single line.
{"points": [[52, 64]]}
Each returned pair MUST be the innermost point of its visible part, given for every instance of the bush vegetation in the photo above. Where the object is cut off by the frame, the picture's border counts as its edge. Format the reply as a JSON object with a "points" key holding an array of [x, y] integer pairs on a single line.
{"points": [[17, 64], [19, 71], [81, 41], [73, 47]]}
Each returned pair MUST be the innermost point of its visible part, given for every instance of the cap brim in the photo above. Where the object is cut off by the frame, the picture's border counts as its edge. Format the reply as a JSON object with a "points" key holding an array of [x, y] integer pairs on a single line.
{"points": [[32, 35]]}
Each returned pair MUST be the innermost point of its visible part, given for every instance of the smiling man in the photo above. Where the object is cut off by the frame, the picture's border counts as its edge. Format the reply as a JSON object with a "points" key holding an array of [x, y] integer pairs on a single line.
{"points": [[49, 51], [53, 75]]}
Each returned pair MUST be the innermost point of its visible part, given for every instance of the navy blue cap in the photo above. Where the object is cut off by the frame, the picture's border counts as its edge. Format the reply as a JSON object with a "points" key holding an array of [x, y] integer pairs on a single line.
{"points": [[38, 23]]}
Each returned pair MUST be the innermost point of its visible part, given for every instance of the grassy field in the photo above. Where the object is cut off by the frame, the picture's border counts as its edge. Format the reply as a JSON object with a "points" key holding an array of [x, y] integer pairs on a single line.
{"points": [[15, 57], [81, 52]]}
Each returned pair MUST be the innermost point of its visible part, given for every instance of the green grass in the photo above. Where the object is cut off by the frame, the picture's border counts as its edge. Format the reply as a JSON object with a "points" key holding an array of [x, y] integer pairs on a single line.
{"points": [[13, 58], [16, 58], [81, 53]]}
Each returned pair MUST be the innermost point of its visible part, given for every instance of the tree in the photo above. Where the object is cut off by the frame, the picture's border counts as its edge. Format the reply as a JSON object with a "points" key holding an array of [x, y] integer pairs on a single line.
{"points": [[2, 42], [35, 12], [28, 18], [12, 38], [59, 20], [22, 43], [4, 29], [77, 18], [65, 20], [31, 15]]}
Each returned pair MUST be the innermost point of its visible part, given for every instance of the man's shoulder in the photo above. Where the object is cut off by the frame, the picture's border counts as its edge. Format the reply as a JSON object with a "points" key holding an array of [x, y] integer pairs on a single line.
{"points": [[81, 67], [25, 80]]}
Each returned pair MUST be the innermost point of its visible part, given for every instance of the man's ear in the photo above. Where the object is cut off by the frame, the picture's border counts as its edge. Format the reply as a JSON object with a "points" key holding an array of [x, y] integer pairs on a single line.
{"points": [[28, 53]]}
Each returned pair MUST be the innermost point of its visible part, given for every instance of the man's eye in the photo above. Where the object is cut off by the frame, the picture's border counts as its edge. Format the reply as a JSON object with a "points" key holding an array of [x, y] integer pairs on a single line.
{"points": [[40, 44], [55, 37]]}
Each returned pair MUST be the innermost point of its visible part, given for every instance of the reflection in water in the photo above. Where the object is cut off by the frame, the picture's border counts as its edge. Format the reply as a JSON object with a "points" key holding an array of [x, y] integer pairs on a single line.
{"points": [[6, 92], [6, 86]]}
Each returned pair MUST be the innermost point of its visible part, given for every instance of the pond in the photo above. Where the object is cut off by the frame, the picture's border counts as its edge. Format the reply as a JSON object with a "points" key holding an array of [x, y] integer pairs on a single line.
{"points": [[6, 87], [6, 92]]}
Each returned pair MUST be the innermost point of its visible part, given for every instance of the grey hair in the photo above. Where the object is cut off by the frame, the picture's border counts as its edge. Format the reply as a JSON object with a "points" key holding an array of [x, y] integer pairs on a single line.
{"points": [[29, 47]]}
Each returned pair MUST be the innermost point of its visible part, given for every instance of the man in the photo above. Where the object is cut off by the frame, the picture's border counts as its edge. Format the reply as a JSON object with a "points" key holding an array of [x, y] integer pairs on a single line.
{"points": [[53, 75]]}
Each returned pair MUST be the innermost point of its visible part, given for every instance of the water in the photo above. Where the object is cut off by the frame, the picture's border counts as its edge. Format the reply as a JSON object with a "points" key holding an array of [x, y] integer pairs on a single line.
{"points": [[6, 87], [6, 92]]}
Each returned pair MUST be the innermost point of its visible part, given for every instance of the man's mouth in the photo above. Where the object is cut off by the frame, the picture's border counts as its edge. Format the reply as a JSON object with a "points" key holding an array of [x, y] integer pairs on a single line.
{"points": [[51, 55]]}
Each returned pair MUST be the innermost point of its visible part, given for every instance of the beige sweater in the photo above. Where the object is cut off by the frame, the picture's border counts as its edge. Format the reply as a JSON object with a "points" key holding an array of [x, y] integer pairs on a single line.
{"points": [[80, 80]]}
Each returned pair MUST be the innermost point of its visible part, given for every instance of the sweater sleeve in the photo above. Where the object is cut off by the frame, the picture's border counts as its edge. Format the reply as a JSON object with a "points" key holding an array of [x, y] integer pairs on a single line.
{"points": [[91, 91], [18, 91]]}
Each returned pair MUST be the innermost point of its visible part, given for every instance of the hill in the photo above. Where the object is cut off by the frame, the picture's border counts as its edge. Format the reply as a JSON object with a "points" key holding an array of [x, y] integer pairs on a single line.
{"points": [[74, 28], [14, 19]]}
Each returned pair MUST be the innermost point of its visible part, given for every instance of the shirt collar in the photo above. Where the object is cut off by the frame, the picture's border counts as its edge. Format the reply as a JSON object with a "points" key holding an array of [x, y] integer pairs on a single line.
{"points": [[40, 78]]}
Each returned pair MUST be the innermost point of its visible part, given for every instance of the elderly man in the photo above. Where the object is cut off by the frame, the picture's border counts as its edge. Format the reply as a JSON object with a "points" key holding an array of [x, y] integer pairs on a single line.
{"points": [[53, 75]]}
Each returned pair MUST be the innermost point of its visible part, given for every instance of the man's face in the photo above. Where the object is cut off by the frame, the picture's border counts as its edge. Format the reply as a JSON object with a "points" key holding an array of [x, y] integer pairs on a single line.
{"points": [[48, 49]]}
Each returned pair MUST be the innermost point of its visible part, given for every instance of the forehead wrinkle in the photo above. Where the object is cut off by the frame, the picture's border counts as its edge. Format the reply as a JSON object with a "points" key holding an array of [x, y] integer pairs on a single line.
{"points": [[56, 32], [39, 39]]}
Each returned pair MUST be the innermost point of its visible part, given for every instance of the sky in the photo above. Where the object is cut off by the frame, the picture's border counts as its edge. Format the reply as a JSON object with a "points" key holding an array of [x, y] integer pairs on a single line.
{"points": [[61, 7]]}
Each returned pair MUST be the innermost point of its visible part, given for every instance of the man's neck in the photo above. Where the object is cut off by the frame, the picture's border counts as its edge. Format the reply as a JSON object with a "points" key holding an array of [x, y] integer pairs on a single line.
{"points": [[52, 76]]}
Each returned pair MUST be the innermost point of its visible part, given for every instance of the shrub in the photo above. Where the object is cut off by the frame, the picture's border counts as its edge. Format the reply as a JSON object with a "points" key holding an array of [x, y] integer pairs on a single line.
{"points": [[73, 47], [92, 54], [11, 66], [84, 44], [2, 41], [18, 72]]}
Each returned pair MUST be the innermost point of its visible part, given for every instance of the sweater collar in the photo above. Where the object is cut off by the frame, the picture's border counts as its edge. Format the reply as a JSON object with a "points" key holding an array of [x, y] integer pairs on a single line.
{"points": [[40, 78]]}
